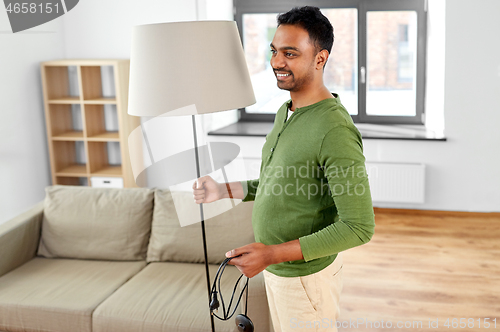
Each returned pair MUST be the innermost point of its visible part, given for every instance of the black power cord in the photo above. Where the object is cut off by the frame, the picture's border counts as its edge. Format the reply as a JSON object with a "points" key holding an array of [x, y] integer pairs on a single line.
{"points": [[243, 323]]}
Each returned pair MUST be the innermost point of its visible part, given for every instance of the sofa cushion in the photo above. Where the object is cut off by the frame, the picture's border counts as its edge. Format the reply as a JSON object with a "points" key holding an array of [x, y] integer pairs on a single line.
{"points": [[59, 295], [171, 242], [166, 297], [96, 223]]}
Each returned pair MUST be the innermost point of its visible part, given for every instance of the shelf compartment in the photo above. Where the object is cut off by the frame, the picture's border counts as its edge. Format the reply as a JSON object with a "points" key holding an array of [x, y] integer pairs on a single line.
{"points": [[69, 136], [98, 84], [62, 84], [72, 181], [102, 123], [65, 100], [102, 100], [104, 160], [66, 122], [114, 171], [111, 136], [70, 160], [106, 182], [73, 170]]}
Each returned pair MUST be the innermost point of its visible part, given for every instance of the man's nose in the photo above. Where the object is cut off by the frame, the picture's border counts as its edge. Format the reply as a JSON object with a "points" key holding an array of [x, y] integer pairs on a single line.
{"points": [[277, 61]]}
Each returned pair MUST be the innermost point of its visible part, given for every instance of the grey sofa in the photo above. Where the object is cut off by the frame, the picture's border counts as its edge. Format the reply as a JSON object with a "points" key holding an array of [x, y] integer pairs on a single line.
{"points": [[88, 259]]}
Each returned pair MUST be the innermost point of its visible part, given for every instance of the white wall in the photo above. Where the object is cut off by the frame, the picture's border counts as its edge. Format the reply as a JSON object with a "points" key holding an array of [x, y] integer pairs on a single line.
{"points": [[472, 98], [24, 161], [102, 29], [462, 172]]}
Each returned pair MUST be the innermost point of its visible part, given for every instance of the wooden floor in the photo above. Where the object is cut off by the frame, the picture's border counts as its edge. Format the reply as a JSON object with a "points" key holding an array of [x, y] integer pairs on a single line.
{"points": [[424, 267]]}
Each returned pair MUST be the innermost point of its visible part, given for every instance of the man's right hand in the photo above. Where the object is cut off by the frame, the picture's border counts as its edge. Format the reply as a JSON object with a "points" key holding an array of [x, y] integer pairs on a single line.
{"points": [[207, 191]]}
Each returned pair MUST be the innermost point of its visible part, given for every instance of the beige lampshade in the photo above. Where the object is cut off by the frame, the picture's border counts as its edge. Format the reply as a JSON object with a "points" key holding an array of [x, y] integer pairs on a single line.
{"points": [[175, 66]]}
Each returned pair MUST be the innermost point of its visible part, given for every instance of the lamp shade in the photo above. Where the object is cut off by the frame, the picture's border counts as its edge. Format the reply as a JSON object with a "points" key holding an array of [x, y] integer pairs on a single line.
{"points": [[177, 65]]}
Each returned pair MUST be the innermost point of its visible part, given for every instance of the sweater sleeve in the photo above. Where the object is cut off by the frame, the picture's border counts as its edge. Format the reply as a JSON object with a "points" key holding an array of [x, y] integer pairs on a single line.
{"points": [[341, 156], [249, 189]]}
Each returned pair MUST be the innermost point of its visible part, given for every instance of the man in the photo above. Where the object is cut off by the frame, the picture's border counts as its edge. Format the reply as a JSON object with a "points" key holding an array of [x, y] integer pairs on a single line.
{"points": [[312, 199]]}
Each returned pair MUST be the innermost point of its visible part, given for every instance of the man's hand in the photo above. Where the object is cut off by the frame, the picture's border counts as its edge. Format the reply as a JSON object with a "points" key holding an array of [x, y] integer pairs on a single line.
{"points": [[257, 256], [207, 191]]}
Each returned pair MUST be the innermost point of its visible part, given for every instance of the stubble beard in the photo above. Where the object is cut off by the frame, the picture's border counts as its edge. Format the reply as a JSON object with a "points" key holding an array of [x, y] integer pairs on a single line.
{"points": [[295, 84]]}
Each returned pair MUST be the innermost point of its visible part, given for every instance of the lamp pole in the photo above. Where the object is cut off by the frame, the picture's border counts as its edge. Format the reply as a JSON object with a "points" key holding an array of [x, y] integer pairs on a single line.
{"points": [[207, 272]]}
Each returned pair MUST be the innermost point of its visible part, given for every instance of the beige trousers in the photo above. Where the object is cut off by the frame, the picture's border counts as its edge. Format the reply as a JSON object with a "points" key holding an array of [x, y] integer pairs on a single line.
{"points": [[309, 303]]}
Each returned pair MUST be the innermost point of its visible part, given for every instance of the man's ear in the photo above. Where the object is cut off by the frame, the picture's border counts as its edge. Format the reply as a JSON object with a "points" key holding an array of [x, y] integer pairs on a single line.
{"points": [[321, 59]]}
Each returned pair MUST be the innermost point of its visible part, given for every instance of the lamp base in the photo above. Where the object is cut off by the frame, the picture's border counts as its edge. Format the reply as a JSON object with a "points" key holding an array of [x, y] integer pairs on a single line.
{"points": [[244, 323]]}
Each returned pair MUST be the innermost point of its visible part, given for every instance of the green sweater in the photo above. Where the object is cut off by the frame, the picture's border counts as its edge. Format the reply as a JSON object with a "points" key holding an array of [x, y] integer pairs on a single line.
{"points": [[312, 186]]}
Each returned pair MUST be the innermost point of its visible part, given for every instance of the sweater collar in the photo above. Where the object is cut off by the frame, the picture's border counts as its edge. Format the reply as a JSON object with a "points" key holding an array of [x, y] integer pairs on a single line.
{"points": [[326, 101]]}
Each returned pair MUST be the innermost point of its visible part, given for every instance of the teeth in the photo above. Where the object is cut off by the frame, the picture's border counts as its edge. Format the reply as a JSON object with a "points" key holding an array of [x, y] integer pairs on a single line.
{"points": [[282, 75]]}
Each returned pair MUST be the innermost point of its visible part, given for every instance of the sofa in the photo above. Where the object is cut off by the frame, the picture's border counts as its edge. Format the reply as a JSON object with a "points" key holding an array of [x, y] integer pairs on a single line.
{"points": [[104, 259]]}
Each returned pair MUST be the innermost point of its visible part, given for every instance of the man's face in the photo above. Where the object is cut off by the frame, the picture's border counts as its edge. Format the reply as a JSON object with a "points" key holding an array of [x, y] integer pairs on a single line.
{"points": [[293, 57]]}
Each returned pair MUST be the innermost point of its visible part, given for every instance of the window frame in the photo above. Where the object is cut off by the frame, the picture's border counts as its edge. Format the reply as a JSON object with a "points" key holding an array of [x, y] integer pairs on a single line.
{"points": [[241, 7]]}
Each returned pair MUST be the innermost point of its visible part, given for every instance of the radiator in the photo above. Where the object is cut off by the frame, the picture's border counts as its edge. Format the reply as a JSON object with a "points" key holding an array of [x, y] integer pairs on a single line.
{"points": [[396, 183]]}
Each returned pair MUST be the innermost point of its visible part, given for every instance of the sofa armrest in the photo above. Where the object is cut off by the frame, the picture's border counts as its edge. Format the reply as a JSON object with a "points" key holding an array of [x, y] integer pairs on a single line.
{"points": [[19, 238]]}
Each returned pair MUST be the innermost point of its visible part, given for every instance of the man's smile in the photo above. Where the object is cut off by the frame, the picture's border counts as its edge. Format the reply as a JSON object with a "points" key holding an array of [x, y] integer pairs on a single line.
{"points": [[282, 76]]}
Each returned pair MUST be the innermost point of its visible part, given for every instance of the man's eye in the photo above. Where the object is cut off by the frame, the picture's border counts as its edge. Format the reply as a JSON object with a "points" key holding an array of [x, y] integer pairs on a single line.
{"points": [[290, 54], [273, 51]]}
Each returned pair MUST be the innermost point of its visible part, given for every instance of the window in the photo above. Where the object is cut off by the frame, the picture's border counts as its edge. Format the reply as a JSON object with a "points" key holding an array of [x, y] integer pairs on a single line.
{"points": [[377, 63]]}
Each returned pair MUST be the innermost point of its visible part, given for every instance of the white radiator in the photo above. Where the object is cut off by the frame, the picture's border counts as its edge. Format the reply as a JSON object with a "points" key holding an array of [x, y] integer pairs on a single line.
{"points": [[396, 183]]}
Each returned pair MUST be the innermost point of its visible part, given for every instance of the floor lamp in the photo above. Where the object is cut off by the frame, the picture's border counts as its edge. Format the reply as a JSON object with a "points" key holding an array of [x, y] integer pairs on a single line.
{"points": [[188, 68]]}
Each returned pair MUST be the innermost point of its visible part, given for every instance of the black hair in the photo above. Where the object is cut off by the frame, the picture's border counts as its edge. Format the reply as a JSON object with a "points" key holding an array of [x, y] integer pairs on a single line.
{"points": [[310, 18]]}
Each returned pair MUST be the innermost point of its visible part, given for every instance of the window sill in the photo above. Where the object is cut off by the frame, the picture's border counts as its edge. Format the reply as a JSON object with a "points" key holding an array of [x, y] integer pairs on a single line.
{"points": [[368, 131]]}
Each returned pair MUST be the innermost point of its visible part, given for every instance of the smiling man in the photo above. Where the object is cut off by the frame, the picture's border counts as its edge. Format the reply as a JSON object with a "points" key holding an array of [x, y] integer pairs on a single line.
{"points": [[298, 64], [312, 200]]}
